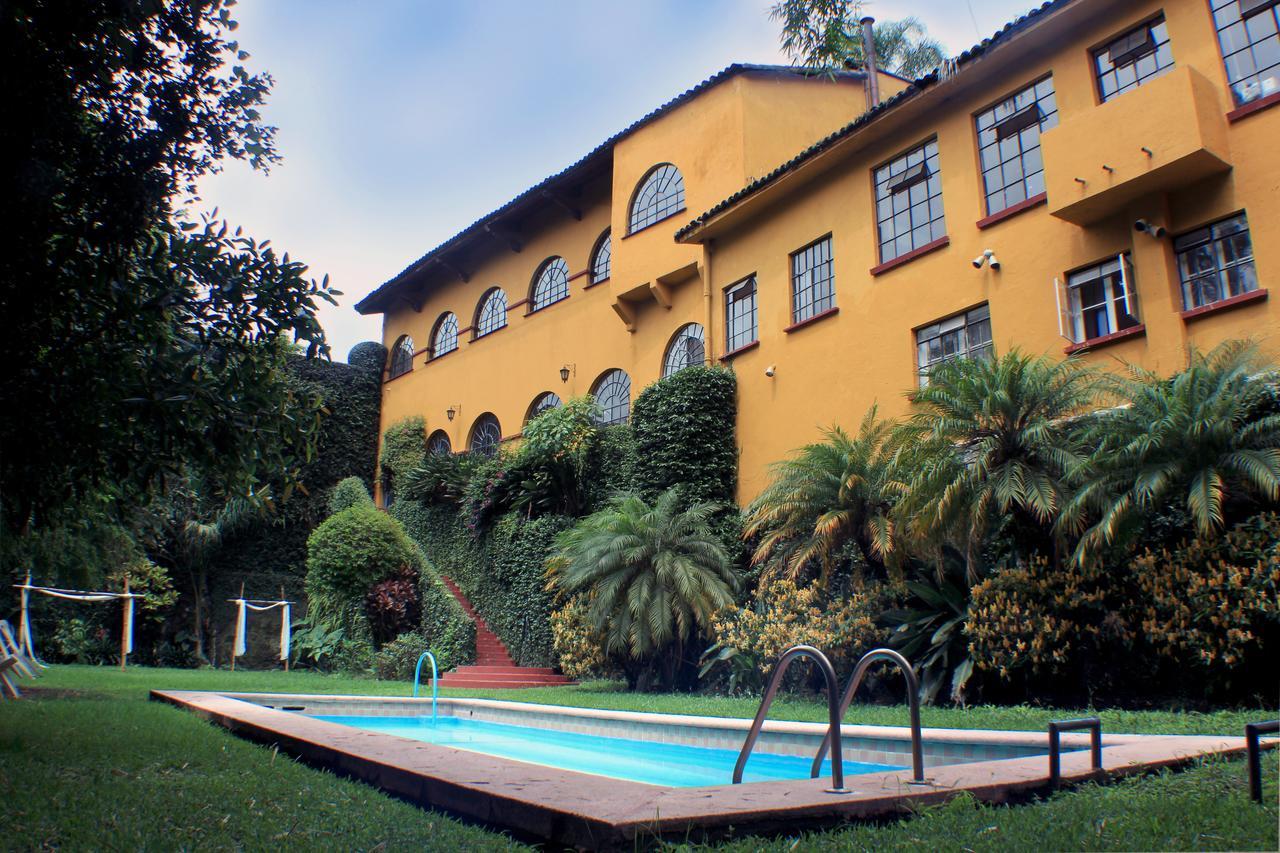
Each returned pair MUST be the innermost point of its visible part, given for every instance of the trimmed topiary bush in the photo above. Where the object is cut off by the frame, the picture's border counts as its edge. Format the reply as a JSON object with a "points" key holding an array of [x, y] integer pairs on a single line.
{"points": [[349, 553], [684, 432], [368, 355], [348, 493]]}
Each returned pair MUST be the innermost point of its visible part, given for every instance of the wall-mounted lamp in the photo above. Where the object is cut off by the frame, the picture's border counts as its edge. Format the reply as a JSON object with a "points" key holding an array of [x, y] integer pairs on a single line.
{"points": [[988, 256], [566, 370], [452, 411]]}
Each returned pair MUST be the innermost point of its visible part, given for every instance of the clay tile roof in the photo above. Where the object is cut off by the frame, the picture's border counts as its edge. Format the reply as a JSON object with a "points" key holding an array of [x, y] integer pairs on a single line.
{"points": [[373, 303], [914, 89]]}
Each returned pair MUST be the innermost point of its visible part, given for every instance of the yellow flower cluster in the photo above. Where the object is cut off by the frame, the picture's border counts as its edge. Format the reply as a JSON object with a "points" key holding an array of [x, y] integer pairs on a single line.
{"points": [[1205, 601], [1035, 616], [783, 615], [579, 649]]}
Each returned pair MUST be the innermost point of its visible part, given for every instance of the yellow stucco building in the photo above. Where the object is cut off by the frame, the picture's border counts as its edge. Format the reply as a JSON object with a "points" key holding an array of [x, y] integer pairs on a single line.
{"points": [[1099, 177]]}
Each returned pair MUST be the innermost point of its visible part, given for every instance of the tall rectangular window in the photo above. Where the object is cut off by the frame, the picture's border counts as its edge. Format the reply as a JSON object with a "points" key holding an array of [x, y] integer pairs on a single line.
{"points": [[909, 202], [1249, 33], [1009, 145], [1139, 55], [966, 335], [740, 315], [1101, 301], [812, 281], [1216, 262]]}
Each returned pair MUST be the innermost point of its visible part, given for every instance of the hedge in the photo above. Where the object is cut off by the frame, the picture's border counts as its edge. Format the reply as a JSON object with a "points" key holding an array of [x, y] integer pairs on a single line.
{"points": [[684, 432]]}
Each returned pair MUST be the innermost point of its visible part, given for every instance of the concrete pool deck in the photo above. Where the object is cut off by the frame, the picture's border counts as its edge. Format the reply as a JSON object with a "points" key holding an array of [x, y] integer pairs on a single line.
{"points": [[589, 811]]}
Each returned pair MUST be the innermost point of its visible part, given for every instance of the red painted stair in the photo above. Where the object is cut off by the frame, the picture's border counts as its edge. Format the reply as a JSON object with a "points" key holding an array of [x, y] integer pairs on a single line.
{"points": [[494, 666]]}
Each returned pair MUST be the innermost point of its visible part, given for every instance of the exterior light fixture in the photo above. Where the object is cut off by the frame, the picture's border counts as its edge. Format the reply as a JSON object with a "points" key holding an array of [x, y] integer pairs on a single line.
{"points": [[988, 256], [452, 411], [566, 370]]}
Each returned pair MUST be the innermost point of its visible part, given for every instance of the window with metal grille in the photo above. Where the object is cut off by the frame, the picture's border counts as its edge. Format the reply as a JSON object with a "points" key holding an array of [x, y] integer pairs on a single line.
{"points": [[551, 284], [909, 202], [1216, 262], [492, 315], [661, 194], [1139, 55], [444, 338], [613, 395], [601, 259], [687, 349], [1249, 33], [966, 335], [1100, 301], [486, 435], [544, 402], [438, 444], [401, 357], [740, 315], [813, 288], [1009, 145]]}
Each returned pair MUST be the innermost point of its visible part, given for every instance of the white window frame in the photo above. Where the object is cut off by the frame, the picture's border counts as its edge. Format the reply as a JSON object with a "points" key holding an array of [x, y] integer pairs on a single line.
{"points": [[1071, 309]]}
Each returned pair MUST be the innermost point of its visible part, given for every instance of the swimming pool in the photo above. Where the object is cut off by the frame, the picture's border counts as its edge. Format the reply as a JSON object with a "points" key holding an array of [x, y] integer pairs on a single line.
{"points": [[672, 764], [582, 808]]}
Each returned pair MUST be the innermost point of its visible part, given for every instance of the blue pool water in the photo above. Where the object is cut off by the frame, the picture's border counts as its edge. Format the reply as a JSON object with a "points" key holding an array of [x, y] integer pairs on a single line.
{"points": [[675, 765]]}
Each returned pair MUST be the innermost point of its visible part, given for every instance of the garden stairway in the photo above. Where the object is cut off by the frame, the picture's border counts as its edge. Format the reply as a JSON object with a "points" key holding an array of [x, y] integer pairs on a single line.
{"points": [[494, 666]]}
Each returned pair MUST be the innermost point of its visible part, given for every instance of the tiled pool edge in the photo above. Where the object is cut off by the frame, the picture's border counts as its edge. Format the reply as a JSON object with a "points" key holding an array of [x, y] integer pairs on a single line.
{"points": [[587, 811]]}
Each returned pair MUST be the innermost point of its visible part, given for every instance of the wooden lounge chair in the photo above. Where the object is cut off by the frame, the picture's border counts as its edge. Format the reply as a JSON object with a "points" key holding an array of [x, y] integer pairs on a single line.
{"points": [[8, 682], [9, 646]]}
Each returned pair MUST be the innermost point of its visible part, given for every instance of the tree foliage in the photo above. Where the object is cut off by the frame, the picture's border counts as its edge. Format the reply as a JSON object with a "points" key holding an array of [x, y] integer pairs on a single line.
{"points": [[827, 34], [828, 494], [653, 576], [1206, 438], [150, 341]]}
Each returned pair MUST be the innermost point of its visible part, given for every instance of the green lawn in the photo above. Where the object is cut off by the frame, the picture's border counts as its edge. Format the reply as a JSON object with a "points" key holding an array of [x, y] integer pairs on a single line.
{"points": [[92, 764]]}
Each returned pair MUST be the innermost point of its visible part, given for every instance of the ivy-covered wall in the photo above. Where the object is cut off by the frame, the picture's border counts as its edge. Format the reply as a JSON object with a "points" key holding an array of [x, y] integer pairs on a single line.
{"points": [[273, 554], [500, 572]]}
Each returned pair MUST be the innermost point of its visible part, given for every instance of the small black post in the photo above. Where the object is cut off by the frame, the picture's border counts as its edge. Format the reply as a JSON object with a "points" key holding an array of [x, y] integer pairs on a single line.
{"points": [[1251, 732], [1093, 724]]}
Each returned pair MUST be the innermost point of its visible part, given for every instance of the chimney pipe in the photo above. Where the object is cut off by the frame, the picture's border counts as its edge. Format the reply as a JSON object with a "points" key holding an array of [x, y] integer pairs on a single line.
{"points": [[869, 61]]}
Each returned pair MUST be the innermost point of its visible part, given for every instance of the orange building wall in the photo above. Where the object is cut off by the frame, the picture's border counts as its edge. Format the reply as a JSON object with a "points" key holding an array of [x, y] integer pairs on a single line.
{"points": [[829, 372]]}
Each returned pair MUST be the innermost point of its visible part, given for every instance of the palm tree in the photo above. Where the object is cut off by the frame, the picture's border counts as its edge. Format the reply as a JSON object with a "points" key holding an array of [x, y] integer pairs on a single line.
{"points": [[992, 438], [1207, 436], [826, 34], [653, 576], [828, 494]]}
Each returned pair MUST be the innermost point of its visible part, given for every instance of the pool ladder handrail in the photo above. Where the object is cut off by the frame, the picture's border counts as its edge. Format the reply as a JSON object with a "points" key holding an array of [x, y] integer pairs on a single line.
{"points": [[435, 681], [913, 702], [829, 674]]}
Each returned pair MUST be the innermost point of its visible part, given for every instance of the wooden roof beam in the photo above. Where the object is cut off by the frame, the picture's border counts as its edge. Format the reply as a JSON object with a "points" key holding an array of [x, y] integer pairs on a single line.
{"points": [[563, 202], [453, 268], [507, 235]]}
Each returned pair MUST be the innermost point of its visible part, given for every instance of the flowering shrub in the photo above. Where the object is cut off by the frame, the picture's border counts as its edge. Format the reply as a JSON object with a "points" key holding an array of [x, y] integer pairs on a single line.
{"points": [[579, 649], [1038, 618], [783, 615], [1209, 603]]}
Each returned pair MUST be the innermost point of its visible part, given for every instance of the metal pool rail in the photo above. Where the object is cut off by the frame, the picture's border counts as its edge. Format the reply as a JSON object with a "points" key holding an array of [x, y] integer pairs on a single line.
{"points": [[435, 681]]}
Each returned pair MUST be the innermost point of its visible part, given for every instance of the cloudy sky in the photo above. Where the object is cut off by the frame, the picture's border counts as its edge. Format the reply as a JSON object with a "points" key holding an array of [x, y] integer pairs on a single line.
{"points": [[402, 121]]}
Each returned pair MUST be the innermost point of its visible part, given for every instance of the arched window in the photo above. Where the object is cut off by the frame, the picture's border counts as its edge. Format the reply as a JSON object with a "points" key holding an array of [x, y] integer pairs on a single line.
{"points": [[486, 435], [444, 337], [661, 194], [687, 349], [613, 394], [438, 444], [601, 259], [492, 313], [401, 356], [541, 403], [551, 284]]}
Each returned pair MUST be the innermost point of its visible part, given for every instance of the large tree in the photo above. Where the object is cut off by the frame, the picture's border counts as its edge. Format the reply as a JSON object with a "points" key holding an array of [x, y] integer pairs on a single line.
{"points": [[826, 34], [140, 341]]}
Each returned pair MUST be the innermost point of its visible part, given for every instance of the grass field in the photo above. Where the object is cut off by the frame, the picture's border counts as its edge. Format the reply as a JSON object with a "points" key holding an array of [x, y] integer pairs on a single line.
{"points": [[87, 763]]}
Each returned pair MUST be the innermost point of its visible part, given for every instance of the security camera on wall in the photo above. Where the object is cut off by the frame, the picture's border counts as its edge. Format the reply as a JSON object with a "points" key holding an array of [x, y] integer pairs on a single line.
{"points": [[1142, 226], [770, 370]]}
